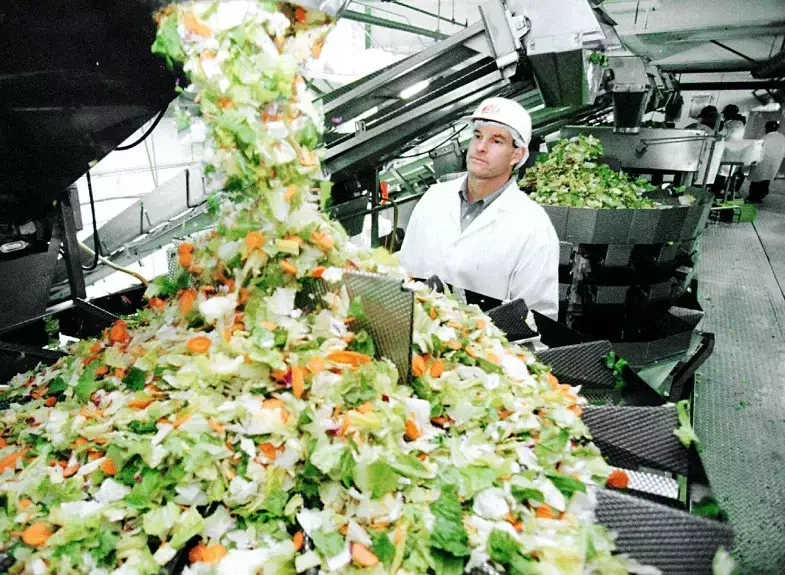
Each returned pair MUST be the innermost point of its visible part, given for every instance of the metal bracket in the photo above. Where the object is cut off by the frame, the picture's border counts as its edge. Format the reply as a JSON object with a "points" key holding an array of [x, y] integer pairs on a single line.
{"points": [[95, 311]]}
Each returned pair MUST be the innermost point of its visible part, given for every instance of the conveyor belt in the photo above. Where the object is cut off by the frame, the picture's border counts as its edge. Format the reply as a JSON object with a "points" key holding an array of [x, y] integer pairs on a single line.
{"points": [[740, 398]]}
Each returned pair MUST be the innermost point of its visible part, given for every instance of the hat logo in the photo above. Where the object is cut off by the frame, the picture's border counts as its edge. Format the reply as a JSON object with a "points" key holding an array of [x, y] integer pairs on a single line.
{"points": [[490, 109]]}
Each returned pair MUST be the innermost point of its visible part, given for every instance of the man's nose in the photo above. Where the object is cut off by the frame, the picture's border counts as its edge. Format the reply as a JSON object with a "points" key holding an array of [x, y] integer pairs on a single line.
{"points": [[482, 145]]}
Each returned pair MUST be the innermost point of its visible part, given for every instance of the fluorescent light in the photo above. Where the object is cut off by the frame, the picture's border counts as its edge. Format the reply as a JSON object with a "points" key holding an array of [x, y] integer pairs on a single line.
{"points": [[415, 89]]}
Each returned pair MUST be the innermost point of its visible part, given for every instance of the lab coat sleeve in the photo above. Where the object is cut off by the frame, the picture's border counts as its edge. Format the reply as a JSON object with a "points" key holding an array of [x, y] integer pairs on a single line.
{"points": [[408, 255], [535, 278]]}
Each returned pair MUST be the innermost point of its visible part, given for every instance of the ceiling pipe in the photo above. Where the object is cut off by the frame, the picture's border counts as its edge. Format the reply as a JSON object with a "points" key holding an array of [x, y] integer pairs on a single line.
{"points": [[709, 86]]}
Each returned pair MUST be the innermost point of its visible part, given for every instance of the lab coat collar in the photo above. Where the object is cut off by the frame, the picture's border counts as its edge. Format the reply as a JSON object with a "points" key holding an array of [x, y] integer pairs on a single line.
{"points": [[489, 216]]}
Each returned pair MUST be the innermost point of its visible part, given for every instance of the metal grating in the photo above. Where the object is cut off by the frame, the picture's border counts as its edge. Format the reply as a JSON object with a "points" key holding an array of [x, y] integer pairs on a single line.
{"points": [[581, 364], [674, 541], [739, 399], [511, 319], [631, 437]]}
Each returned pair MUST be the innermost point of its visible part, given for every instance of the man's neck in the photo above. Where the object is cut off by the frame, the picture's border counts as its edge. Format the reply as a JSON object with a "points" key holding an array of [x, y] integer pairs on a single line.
{"points": [[478, 189]]}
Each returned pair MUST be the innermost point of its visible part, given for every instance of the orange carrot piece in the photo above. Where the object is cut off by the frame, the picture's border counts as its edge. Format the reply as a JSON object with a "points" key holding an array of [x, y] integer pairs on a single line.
{"points": [[454, 344], [185, 260], [102, 370], [418, 366], [50, 401], [493, 358], [71, 470], [323, 241], [298, 381], [288, 267], [299, 540], [215, 426], [363, 556], [366, 407], [552, 381], [481, 324], [254, 240], [3, 443], [187, 300], [9, 461], [318, 272], [618, 479], [269, 325], [118, 332], [316, 364], [25, 503], [181, 419], [185, 248], [199, 344], [437, 368], [345, 424], [139, 403], [289, 194], [268, 450], [300, 15], [576, 409], [156, 303], [192, 24], [544, 512], [412, 431], [354, 358], [37, 534], [108, 466]]}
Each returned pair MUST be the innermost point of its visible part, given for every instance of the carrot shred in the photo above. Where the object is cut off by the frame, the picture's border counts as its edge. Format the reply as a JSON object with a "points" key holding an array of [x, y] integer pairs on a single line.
{"points": [[25, 503], [118, 333], [156, 303], [354, 358], [315, 364], [493, 358], [318, 272], [139, 403], [412, 431], [418, 366], [298, 381], [268, 449], [187, 300], [363, 556], [215, 426], [544, 512], [299, 540], [366, 407], [323, 241], [437, 368], [552, 381], [288, 267], [192, 24], [108, 466]]}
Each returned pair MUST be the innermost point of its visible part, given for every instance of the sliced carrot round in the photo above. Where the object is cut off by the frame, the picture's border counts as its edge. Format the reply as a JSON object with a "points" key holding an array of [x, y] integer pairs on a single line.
{"points": [[37, 534], [254, 240], [618, 479], [199, 344], [363, 556], [418, 366]]}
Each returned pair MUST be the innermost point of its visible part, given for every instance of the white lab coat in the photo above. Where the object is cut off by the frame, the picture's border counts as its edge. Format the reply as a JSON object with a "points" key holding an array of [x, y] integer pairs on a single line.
{"points": [[509, 251], [771, 158]]}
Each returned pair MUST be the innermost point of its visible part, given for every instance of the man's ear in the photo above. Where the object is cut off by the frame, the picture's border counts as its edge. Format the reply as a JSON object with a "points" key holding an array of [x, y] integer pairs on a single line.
{"points": [[517, 156]]}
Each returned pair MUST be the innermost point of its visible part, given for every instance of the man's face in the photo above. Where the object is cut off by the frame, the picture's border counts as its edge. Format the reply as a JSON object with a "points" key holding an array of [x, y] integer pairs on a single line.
{"points": [[492, 152]]}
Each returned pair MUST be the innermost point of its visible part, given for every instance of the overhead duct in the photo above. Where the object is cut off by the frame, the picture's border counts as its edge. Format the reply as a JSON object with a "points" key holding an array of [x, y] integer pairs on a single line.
{"points": [[560, 44], [631, 90]]}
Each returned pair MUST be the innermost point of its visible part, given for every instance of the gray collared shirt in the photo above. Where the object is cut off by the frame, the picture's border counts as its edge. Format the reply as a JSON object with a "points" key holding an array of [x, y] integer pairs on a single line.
{"points": [[470, 211]]}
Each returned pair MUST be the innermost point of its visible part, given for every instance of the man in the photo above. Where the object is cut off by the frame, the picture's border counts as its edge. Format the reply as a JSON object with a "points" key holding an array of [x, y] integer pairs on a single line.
{"points": [[766, 169], [480, 232]]}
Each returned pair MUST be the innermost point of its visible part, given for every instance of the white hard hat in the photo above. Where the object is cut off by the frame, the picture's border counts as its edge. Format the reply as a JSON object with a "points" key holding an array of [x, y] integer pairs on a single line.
{"points": [[507, 112]]}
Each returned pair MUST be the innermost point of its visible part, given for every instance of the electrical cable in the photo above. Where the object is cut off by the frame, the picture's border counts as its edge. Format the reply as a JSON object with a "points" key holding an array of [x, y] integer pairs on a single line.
{"points": [[96, 241], [113, 265], [144, 136]]}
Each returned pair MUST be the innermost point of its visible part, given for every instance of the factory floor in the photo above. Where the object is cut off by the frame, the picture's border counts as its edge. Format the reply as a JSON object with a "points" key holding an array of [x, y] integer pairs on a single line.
{"points": [[740, 392]]}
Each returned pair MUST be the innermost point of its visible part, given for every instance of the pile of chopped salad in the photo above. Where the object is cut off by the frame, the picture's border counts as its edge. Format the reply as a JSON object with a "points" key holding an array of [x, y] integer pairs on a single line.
{"points": [[569, 175], [224, 422]]}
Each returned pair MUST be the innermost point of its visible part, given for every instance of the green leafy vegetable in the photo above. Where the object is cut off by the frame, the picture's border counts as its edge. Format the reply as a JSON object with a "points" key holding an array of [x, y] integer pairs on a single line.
{"points": [[448, 533]]}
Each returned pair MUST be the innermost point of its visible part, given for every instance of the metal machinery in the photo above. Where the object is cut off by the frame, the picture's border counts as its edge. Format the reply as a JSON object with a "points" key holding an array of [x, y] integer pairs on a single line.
{"points": [[67, 108], [628, 275]]}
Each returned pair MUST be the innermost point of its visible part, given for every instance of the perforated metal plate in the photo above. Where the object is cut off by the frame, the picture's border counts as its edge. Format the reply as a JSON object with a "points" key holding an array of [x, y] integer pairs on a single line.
{"points": [[661, 485], [581, 364], [631, 437], [511, 319], [674, 541], [388, 307]]}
